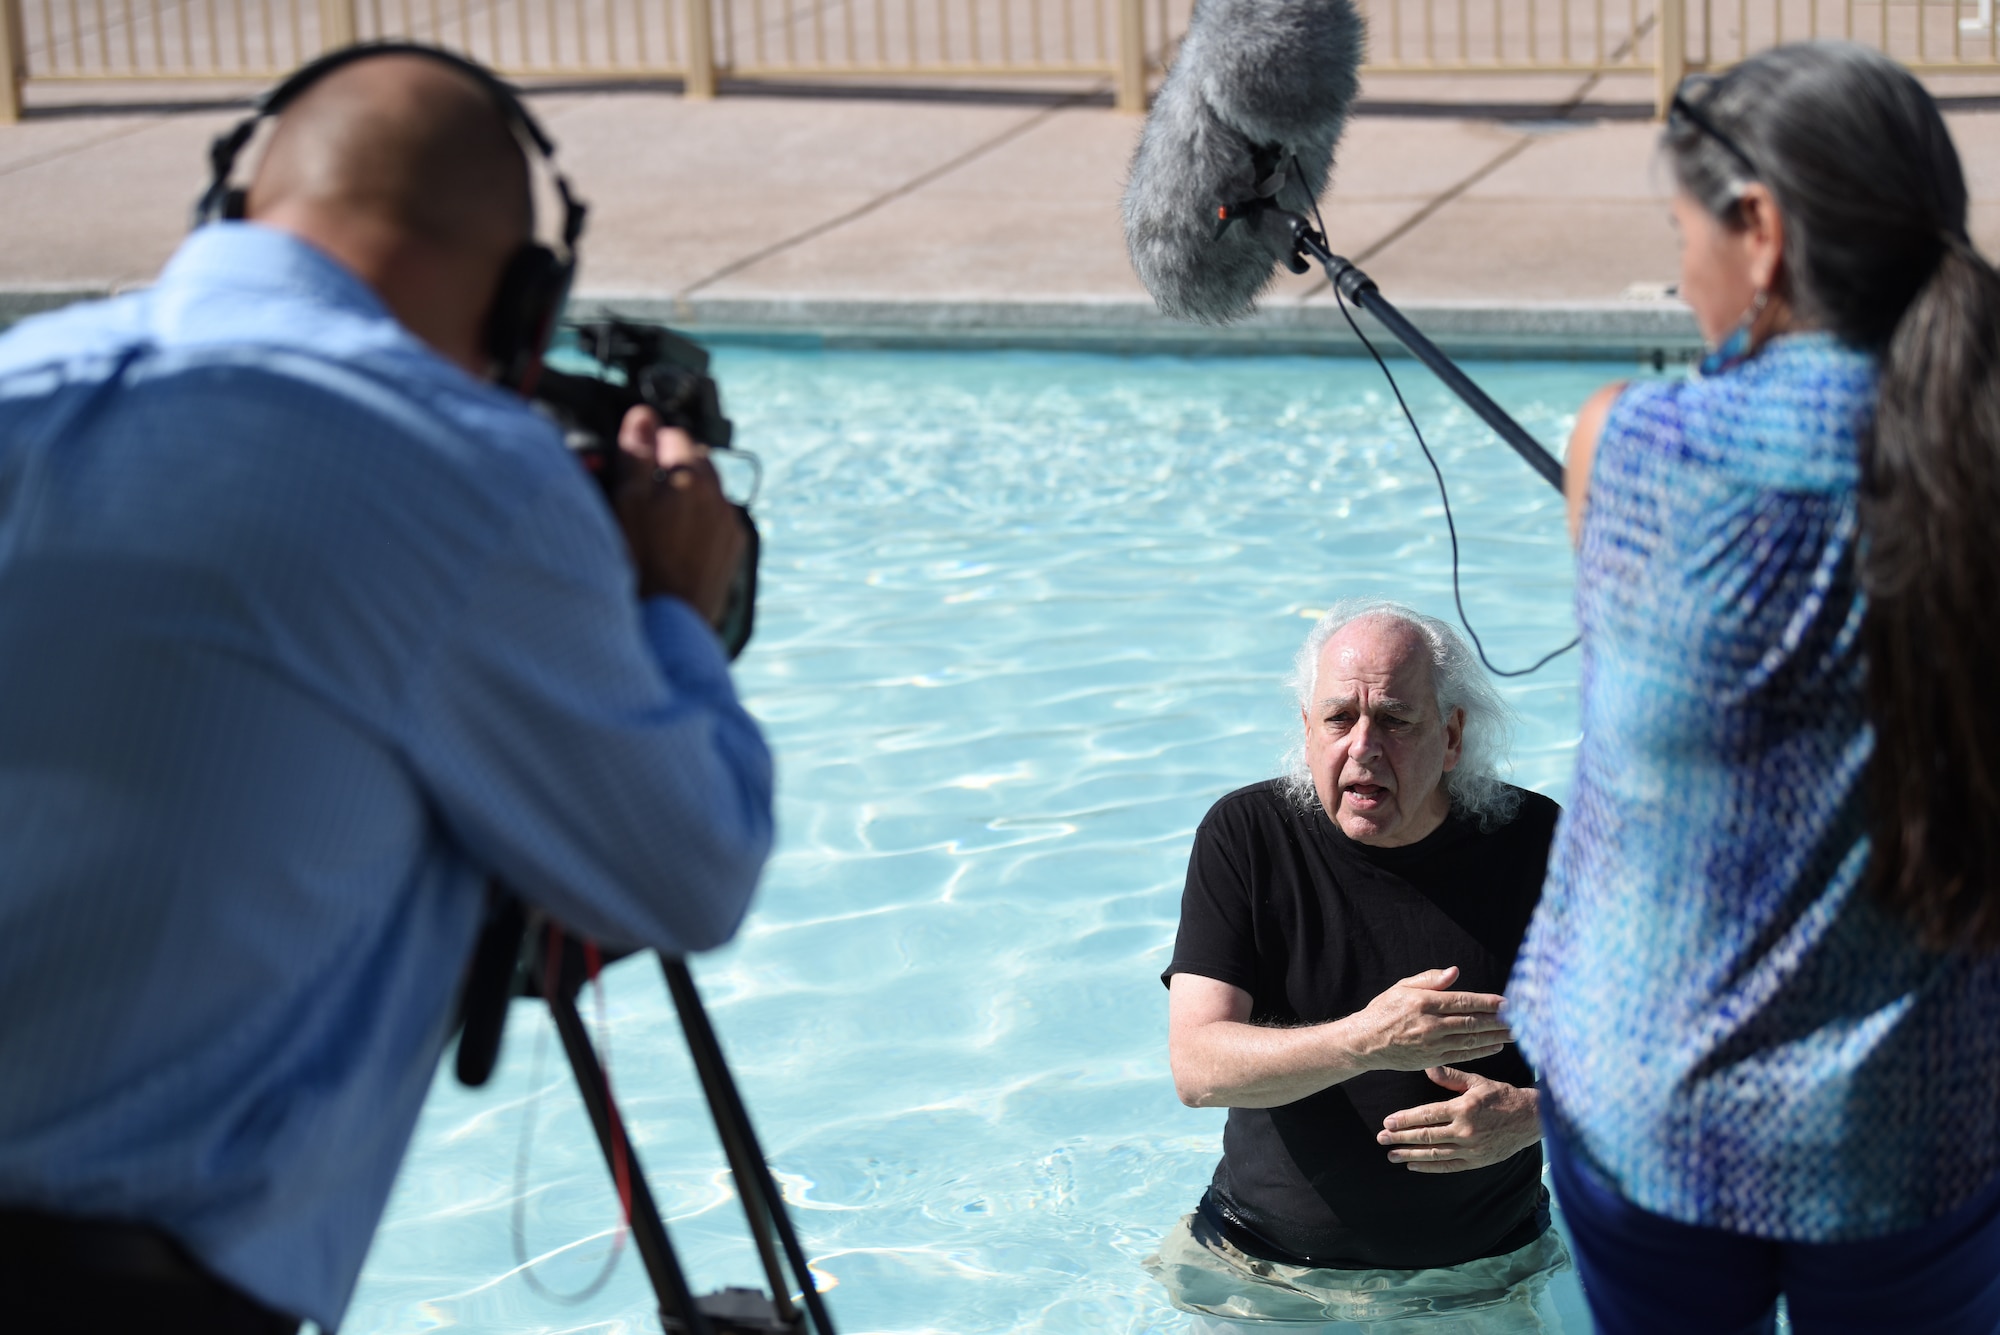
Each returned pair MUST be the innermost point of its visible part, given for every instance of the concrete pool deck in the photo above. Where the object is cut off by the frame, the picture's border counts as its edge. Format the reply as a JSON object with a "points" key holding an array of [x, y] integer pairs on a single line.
{"points": [[1506, 214]]}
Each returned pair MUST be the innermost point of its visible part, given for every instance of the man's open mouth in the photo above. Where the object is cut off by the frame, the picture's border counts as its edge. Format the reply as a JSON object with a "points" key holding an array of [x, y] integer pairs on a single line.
{"points": [[1368, 794]]}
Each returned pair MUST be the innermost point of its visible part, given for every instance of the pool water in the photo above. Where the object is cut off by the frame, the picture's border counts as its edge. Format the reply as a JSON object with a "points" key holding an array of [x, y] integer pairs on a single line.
{"points": [[1024, 617]]}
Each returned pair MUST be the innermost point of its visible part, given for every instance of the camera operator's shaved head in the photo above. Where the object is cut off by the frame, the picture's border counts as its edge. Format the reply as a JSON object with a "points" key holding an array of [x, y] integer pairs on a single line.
{"points": [[407, 172]]}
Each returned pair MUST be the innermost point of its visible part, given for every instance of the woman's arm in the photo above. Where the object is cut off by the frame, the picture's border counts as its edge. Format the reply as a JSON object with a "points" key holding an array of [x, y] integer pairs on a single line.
{"points": [[1583, 449]]}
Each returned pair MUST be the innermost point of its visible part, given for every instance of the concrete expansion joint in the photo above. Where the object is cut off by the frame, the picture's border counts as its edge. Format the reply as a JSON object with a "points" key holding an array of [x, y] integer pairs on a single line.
{"points": [[890, 196], [1429, 208]]}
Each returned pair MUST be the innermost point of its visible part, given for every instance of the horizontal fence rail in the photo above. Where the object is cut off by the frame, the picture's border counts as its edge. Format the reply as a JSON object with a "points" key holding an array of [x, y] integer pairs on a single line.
{"points": [[760, 38], [1511, 36], [202, 39], [1929, 36], [1609, 36], [696, 41], [1126, 42], [545, 37]]}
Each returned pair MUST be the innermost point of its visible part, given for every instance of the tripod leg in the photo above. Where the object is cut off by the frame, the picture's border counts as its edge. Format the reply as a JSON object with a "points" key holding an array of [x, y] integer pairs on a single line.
{"points": [[744, 1161], [762, 1201], [678, 1310]]}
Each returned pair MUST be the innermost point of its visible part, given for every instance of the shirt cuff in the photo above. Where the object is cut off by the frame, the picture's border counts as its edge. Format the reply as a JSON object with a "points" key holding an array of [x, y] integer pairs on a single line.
{"points": [[689, 655]]}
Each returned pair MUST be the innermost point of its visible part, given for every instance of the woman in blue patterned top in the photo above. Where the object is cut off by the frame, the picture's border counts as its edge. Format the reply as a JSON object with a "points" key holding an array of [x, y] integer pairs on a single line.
{"points": [[1761, 988]]}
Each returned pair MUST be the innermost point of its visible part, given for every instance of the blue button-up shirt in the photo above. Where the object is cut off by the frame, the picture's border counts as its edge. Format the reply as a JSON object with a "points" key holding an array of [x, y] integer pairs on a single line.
{"points": [[303, 632]]}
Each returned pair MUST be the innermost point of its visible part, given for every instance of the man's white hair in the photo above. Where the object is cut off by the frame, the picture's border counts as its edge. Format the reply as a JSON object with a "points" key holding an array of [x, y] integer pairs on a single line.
{"points": [[1476, 789]]}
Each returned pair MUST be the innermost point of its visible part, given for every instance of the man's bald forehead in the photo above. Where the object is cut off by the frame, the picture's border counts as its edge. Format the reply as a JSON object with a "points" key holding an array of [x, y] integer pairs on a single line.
{"points": [[1379, 632], [411, 139], [1390, 641]]}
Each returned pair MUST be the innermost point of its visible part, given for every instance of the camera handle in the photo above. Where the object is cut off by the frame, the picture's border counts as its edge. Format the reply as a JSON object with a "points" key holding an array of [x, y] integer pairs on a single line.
{"points": [[556, 967]]}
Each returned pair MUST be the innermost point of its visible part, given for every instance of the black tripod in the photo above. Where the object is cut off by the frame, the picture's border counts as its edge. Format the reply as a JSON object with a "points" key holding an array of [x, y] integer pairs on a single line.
{"points": [[520, 955]]}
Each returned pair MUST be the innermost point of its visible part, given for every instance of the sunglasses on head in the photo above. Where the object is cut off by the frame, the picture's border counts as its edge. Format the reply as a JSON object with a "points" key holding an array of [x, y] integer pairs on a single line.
{"points": [[1683, 112]]}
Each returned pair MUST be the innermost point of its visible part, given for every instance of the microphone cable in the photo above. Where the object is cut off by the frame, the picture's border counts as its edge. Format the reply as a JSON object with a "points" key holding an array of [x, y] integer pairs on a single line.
{"points": [[1443, 495]]}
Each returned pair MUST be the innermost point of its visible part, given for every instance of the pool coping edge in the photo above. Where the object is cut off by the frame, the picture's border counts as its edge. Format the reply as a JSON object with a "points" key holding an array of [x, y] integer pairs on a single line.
{"points": [[1634, 330]]}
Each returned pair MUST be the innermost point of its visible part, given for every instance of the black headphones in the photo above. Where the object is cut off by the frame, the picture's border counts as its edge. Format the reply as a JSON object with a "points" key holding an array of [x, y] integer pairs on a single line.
{"points": [[536, 281]]}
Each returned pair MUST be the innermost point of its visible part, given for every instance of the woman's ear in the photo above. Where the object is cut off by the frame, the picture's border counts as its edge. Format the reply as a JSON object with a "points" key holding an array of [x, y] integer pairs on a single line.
{"points": [[1763, 235]]}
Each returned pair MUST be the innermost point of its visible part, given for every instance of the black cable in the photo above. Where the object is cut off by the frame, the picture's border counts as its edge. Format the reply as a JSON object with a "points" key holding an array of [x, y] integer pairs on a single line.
{"points": [[1449, 524], [1443, 495]]}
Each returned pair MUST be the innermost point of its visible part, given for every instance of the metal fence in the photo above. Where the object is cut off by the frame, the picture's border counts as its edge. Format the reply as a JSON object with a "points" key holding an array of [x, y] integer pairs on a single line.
{"points": [[1511, 36], [696, 41], [1604, 36], [1123, 41]]}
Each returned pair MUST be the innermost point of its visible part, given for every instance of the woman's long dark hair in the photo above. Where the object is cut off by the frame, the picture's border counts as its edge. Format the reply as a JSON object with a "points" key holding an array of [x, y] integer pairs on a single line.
{"points": [[1874, 202]]}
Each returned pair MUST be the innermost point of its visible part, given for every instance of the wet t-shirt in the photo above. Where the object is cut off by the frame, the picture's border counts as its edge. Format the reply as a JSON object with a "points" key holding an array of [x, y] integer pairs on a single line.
{"points": [[1314, 926]]}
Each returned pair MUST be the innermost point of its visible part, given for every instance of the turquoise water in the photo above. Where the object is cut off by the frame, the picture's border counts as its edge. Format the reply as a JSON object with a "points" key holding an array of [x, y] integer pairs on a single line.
{"points": [[1024, 618]]}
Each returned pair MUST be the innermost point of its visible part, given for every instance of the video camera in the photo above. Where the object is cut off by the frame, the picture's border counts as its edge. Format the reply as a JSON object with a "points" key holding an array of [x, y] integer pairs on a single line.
{"points": [[652, 365]]}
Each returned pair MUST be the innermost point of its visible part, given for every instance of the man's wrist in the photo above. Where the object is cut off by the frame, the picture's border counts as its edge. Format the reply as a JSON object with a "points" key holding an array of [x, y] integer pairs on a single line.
{"points": [[1350, 1045], [685, 646]]}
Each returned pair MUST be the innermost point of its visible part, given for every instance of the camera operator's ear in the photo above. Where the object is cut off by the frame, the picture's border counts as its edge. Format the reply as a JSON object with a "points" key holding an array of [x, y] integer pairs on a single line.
{"points": [[526, 304]]}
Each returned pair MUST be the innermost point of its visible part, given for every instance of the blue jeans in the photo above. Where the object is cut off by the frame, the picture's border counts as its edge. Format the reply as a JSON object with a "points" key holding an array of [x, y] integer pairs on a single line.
{"points": [[1644, 1274]]}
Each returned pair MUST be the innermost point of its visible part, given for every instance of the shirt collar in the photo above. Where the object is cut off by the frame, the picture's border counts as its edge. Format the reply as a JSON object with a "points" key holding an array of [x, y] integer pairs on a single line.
{"points": [[1455, 828], [250, 257], [1735, 350]]}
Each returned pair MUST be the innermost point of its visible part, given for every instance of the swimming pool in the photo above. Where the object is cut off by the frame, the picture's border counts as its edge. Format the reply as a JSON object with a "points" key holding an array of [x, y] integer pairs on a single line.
{"points": [[1024, 617]]}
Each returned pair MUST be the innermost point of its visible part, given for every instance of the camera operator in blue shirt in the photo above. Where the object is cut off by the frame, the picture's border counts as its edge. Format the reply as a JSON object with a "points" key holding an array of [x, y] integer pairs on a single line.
{"points": [[307, 628]]}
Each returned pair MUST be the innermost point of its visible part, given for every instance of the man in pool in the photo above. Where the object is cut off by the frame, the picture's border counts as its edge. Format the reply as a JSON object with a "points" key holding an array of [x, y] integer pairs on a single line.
{"points": [[1344, 934]]}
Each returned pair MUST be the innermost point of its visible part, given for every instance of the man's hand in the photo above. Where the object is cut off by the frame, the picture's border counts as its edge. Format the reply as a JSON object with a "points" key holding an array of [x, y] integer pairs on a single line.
{"points": [[1416, 1024], [685, 537], [1486, 1124], [1220, 1060]]}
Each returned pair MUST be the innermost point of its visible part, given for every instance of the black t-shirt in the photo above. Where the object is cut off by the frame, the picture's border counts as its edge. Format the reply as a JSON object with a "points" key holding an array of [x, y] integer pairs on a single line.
{"points": [[1314, 926]]}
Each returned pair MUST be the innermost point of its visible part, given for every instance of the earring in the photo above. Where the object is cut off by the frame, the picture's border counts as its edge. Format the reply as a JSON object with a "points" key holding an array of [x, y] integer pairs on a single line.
{"points": [[1738, 343]]}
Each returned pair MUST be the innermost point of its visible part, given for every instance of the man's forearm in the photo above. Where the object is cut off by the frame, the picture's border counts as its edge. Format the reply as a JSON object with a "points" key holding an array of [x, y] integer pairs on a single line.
{"points": [[1226, 1064]]}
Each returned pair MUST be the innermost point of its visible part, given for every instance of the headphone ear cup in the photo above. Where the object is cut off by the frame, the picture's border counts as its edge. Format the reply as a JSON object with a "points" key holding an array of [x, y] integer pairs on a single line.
{"points": [[221, 204], [526, 304]]}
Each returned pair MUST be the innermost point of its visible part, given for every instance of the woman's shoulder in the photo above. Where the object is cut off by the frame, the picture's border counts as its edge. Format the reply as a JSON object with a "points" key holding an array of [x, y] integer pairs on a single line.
{"points": [[1789, 418]]}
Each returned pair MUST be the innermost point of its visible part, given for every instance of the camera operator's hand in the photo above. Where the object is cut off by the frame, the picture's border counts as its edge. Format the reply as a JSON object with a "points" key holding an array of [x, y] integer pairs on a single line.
{"points": [[685, 536]]}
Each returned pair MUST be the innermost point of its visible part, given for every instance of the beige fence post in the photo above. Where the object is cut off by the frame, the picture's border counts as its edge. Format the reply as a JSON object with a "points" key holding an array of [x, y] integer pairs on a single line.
{"points": [[13, 61], [1131, 55], [1673, 39], [337, 27], [699, 85]]}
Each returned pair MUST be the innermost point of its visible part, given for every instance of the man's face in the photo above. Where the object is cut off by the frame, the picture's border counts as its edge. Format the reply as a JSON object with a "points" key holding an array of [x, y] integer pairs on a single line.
{"points": [[1376, 746]]}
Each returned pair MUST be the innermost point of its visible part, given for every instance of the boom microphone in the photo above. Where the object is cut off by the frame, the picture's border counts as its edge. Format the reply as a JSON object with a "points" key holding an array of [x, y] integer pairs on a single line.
{"points": [[1256, 82], [1231, 163]]}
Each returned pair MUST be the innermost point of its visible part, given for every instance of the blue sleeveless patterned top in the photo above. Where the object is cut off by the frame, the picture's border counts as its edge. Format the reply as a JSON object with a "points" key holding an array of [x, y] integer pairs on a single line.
{"points": [[1730, 1031]]}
